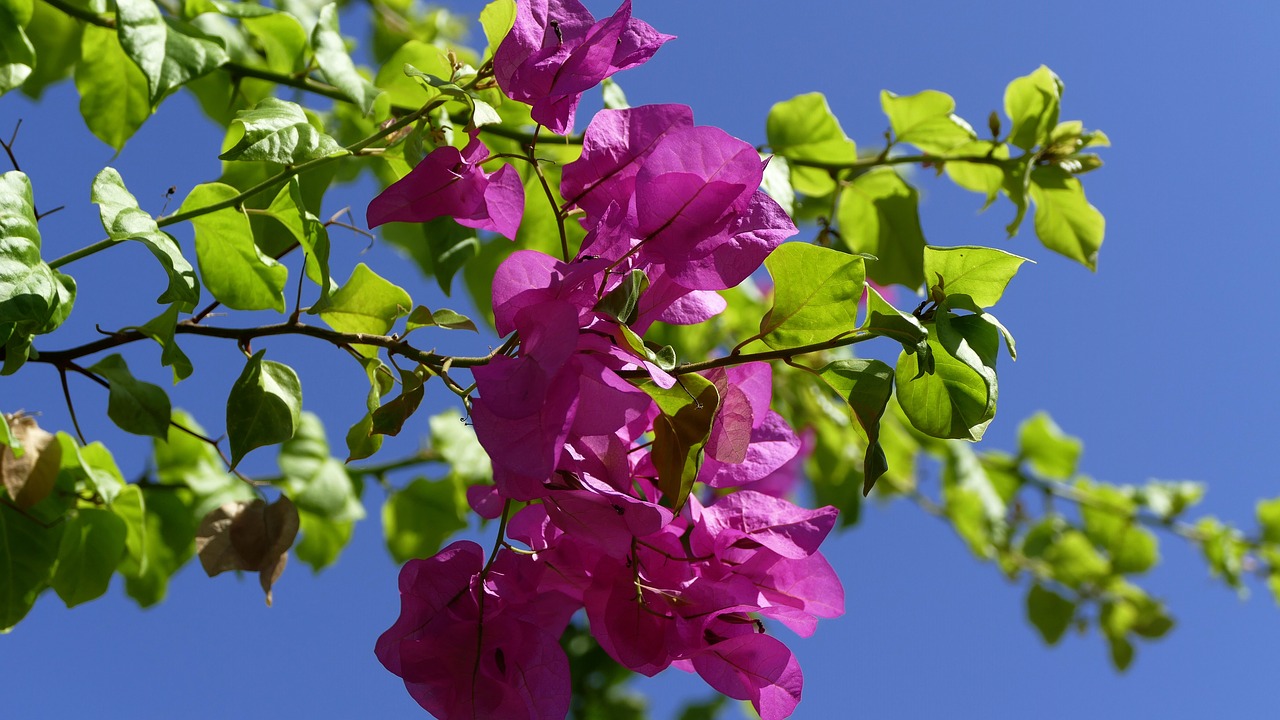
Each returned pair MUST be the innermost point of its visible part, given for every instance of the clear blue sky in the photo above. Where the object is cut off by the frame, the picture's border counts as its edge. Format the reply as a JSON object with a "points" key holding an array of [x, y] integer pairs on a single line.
{"points": [[1161, 361]]}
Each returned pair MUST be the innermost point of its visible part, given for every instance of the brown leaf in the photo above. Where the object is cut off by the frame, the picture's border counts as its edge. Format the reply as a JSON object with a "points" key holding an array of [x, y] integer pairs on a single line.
{"points": [[251, 536], [30, 478]]}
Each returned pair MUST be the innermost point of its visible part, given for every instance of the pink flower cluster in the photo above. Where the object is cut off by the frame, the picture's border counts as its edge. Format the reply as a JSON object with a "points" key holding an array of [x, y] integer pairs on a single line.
{"points": [[663, 580]]}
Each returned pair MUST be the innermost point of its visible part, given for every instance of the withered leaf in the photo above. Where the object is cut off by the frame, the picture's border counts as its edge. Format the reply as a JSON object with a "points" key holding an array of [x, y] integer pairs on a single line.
{"points": [[30, 478], [252, 536]]}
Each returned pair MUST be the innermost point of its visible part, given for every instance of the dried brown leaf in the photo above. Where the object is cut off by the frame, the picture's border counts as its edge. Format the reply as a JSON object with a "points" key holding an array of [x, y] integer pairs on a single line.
{"points": [[252, 536], [30, 478]]}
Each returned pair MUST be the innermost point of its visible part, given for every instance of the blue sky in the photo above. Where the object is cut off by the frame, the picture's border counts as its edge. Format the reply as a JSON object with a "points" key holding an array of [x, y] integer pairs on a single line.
{"points": [[1161, 362]]}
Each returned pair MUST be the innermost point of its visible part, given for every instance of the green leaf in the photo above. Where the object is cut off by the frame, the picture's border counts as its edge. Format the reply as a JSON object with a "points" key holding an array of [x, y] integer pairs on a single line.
{"points": [[161, 328], [1051, 613], [168, 53], [233, 268], [803, 128], [443, 318], [282, 38], [391, 417], [1031, 102], [263, 407], [403, 90], [926, 120], [133, 405], [91, 549], [1065, 221], [361, 441], [978, 177], [417, 519], [113, 91], [680, 433], [322, 539], [336, 64], [366, 303], [131, 507], [622, 302], [816, 293], [885, 320], [170, 543], [28, 554], [17, 55], [456, 442], [289, 208], [277, 131], [56, 39], [29, 291], [1269, 520], [497, 18], [1110, 521], [1051, 452], [315, 481], [973, 501], [979, 272], [92, 467], [124, 220], [777, 183], [956, 401], [612, 95], [879, 215], [866, 385], [183, 459], [1074, 560]]}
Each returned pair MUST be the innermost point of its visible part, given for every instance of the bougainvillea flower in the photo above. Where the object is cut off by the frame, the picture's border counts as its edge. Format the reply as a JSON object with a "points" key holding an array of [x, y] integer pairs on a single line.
{"points": [[450, 183], [510, 666], [613, 147], [557, 50], [788, 530], [754, 667]]}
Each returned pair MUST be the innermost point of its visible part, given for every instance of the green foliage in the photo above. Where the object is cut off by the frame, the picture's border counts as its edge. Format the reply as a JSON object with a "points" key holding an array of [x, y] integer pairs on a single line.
{"points": [[815, 295], [233, 268], [279, 132], [114, 99], [169, 53], [133, 405], [879, 215], [124, 220], [264, 406], [680, 432]]}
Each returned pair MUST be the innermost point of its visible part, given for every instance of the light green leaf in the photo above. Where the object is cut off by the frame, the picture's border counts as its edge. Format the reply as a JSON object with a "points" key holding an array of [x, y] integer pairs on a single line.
{"points": [[282, 38], [1110, 521], [867, 386], [879, 215], [680, 433], [161, 328], [233, 268], [885, 320], [91, 468], [456, 442], [1074, 560], [133, 405], [315, 481], [1031, 102], [926, 120], [972, 500], [124, 220], [366, 303], [91, 549], [56, 39], [497, 18], [982, 273], [183, 459], [1051, 452], [417, 519], [816, 293], [113, 91], [168, 53], [277, 131], [613, 96], [28, 554], [170, 542], [443, 318], [803, 128], [322, 539], [777, 182], [621, 302], [403, 90], [361, 441], [956, 401], [1051, 613], [263, 407], [977, 177], [1065, 221], [131, 507], [290, 210], [336, 64], [29, 291], [17, 55], [1269, 520]]}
